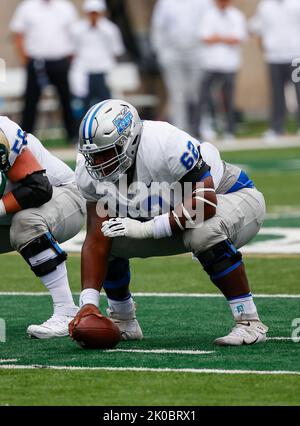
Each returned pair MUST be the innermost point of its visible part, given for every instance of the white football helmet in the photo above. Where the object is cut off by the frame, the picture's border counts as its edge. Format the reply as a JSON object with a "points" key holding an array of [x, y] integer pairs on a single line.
{"points": [[110, 125]]}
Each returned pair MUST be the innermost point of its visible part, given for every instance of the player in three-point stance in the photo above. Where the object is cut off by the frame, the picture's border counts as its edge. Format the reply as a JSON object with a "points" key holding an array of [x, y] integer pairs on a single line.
{"points": [[39, 205], [113, 142]]}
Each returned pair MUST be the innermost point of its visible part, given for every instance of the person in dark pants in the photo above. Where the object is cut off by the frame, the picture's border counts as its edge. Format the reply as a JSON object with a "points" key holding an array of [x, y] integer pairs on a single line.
{"points": [[276, 23], [41, 73], [226, 82], [45, 47], [281, 75], [223, 31], [98, 90]]}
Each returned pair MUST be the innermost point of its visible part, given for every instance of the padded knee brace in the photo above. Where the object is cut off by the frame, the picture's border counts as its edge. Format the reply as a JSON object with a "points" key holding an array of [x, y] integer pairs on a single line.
{"points": [[40, 244], [221, 259]]}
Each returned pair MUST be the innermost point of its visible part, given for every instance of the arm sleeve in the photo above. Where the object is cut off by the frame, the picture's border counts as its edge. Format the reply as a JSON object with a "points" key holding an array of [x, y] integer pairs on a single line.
{"points": [[73, 15], [19, 19], [207, 28], [117, 46], [200, 172], [33, 191], [241, 30], [255, 24]]}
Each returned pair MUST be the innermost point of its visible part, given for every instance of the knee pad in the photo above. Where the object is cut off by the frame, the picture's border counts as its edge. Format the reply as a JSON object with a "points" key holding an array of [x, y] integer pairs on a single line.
{"points": [[40, 244], [221, 259], [118, 274]]}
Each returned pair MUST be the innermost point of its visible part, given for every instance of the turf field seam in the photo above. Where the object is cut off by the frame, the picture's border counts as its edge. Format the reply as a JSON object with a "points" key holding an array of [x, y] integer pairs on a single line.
{"points": [[192, 295], [145, 369]]}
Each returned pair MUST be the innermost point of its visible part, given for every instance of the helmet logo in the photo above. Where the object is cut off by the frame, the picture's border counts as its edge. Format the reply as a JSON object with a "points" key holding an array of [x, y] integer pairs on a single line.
{"points": [[123, 120]]}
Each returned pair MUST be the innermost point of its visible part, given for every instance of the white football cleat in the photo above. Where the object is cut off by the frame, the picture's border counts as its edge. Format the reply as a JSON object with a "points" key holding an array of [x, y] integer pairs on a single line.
{"points": [[56, 326], [127, 323], [244, 333]]}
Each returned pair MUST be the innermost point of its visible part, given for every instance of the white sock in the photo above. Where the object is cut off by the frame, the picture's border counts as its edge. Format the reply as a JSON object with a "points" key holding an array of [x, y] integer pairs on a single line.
{"points": [[243, 307], [121, 306], [57, 283]]}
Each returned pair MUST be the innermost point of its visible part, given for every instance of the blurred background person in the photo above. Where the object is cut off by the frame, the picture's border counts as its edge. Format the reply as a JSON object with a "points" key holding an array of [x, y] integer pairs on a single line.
{"points": [[174, 28], [223, 30], [98, 44], [119, 14], [42, 35], [277, 23]]}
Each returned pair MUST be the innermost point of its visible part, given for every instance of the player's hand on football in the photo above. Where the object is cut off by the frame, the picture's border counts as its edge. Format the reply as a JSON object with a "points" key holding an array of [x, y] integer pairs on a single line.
{"points": [[126, 227], [86, 310]]}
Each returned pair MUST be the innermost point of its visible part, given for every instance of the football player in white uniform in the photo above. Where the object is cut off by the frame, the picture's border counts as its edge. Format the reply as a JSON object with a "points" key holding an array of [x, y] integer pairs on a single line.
{"points": [[220, 213], [39, 205]]}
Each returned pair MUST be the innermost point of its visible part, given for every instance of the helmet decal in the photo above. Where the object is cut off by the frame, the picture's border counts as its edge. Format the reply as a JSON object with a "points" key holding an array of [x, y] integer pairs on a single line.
{"points": [[123, 120]]}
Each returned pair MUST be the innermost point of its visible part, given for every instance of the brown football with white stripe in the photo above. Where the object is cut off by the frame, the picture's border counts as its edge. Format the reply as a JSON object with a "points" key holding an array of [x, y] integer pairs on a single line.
{"points": [[95, 332]]}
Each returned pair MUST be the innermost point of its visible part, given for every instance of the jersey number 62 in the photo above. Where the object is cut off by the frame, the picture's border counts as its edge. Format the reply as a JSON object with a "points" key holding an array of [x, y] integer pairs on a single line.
{"points": [[190, 157]]}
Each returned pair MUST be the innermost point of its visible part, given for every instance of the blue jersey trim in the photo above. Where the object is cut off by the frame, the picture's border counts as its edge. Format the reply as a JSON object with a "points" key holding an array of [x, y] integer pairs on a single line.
{"points": [[243, 182]]}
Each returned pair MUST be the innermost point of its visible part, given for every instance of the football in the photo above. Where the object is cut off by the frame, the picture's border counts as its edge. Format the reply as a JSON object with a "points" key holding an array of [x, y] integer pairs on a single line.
{"points": [[93, 332]]}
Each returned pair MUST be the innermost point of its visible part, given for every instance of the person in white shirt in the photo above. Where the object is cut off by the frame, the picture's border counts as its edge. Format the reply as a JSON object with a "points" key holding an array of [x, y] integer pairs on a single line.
{"points": [[223, 31], [40, 207], [277, 23], [98, 44], [43, 41], [174, 40]]}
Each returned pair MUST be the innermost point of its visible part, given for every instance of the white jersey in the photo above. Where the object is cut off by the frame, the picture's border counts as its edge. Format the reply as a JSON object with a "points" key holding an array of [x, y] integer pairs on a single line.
{"points": [[165, 154], [58, 172]]}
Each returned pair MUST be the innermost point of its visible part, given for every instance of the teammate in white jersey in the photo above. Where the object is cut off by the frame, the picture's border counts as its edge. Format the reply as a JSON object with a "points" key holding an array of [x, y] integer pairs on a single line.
{"points": [[39, 205], [220, 211]]}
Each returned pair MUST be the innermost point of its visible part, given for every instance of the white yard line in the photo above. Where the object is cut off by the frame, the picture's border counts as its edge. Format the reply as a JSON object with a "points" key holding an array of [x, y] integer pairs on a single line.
{"points": [[193, 295], [212, 295], [2, 361], [281, 338], [162, 351], [152, 370]]}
